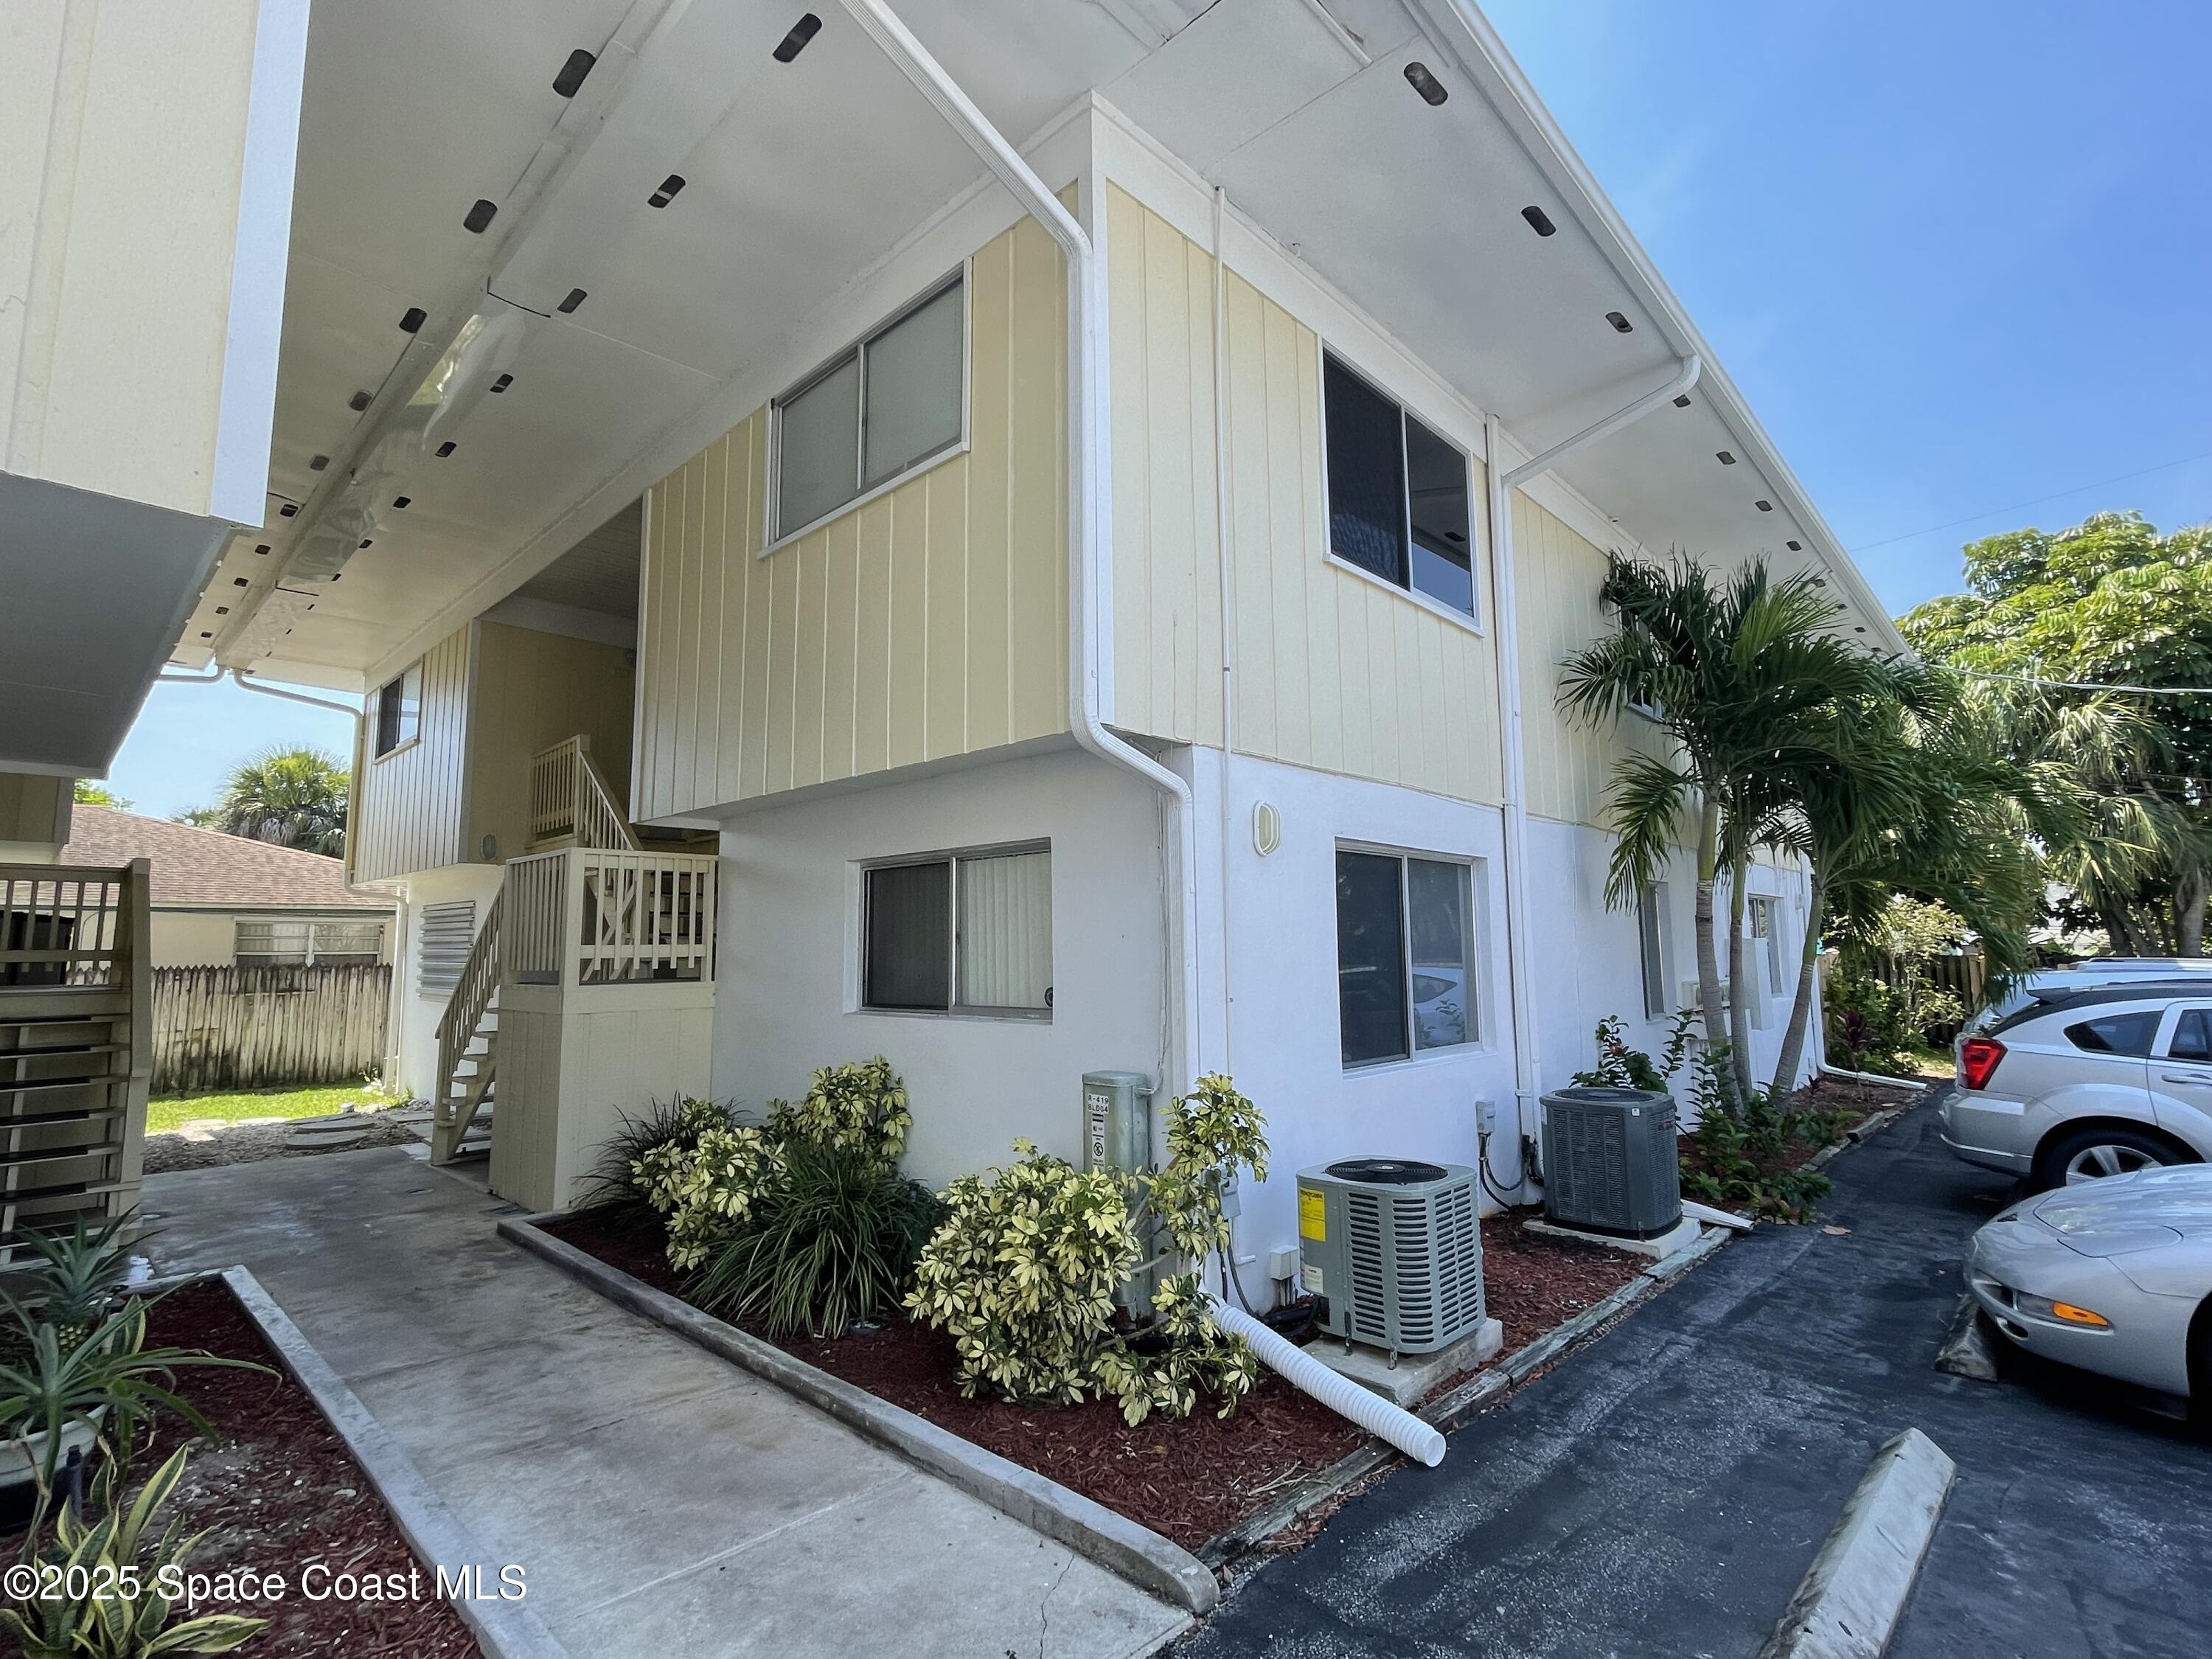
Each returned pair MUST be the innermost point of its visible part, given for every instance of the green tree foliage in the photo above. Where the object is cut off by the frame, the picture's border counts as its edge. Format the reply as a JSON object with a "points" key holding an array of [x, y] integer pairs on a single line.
{"points": [[1743, 677], [2109, 603], [85, 792], [292, 796]]}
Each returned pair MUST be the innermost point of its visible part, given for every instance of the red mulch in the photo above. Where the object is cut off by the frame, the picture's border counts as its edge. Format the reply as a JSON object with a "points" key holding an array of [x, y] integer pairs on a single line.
{"points": [[1531, 1283], [1190, 1481], [278, 1491]]}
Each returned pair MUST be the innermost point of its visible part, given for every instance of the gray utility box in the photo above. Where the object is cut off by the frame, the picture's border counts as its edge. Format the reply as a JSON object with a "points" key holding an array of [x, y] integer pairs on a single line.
{"points": [[1117, 1134], [1610, 1161], [1389, 1249]]}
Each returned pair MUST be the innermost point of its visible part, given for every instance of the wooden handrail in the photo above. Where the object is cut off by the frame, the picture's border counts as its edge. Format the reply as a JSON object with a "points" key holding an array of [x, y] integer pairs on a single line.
{"points": [[571, 801], [457, 1027]]}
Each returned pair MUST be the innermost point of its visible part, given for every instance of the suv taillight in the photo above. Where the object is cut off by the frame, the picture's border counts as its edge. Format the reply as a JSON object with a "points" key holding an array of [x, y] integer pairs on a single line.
{"points": [[1978, 1058]]}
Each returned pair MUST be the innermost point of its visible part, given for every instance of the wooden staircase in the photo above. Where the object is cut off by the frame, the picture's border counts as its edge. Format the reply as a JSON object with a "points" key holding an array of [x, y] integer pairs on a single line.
{"points": [[75, 1044], [468, 1045]]}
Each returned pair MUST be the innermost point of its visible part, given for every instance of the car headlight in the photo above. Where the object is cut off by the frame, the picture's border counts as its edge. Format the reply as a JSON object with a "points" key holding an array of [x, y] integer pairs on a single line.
{"points": [[2063, 1313]]}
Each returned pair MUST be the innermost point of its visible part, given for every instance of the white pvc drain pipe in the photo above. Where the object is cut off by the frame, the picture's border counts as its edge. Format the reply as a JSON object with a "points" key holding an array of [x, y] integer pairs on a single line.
{"points": [[1422, 1442]]}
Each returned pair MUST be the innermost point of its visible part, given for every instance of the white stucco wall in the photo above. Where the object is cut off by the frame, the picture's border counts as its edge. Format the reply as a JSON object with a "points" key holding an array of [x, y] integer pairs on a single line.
{"points": [[1281, 1038], [786, 990], [413, 1037]]}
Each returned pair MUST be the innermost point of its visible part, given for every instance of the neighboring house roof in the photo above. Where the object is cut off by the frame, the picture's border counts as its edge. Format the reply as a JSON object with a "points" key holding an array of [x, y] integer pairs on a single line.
{"points": [[205, 866]]}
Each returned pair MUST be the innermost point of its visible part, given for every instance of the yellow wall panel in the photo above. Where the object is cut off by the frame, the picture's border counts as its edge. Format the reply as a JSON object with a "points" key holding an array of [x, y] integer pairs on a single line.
{"points": [[407, 811], [1558, 574], [928, 621], [1331, 670]]}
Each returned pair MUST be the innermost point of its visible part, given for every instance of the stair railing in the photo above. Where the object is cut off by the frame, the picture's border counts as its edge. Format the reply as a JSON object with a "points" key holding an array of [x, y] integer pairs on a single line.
{"points": [[456, 1030]]}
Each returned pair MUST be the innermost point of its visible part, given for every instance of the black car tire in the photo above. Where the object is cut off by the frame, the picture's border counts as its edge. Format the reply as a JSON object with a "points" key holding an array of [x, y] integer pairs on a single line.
{"points": [[2060, 1151]]}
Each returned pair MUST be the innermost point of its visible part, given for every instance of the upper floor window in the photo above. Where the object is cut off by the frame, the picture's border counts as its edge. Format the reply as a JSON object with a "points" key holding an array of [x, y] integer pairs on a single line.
{"points": [[1405, 955], [968, 932], [1398, 500], [881, 407], [399, 709]]}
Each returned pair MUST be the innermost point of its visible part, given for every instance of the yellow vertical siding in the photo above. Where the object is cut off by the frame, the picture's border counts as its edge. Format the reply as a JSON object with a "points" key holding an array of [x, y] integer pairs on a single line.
{"points": [[408, 806], [930, 621], [1557, 574], [533, 689], [1332, 669]]}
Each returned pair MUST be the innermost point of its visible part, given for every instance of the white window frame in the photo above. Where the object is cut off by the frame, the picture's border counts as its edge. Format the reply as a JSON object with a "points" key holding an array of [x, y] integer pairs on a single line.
{"points": [[1765, 920], [774, 534], [1655, 942], [1476, 507], [957, 1009], [307, 953], [413, 734], [1469, 869]]}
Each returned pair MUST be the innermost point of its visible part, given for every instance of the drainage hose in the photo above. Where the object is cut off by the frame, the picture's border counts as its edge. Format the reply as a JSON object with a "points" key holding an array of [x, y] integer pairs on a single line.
{"points": [[1418, 1440]]}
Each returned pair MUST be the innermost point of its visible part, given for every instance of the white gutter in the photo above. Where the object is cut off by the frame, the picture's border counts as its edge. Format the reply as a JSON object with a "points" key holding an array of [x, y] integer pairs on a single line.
{"points": [[1684, 378], [1089, 509], [1528, 1056]]}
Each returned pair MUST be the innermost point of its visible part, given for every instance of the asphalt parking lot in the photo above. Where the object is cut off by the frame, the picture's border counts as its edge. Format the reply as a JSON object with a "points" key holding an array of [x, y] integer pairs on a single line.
{"points": [[1662, 1492]]}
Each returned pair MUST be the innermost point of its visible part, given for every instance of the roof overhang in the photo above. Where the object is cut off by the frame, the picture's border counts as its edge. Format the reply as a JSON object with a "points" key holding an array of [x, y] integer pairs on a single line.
{"points": [[798, 178]]}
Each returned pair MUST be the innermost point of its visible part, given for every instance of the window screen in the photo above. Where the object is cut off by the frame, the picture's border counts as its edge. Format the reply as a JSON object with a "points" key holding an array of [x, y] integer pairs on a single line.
{"points": [[817, 433], [2192, 1036], [399, 710], [1436, 906], [1398, 505], [908, 959], [913, 388], [1443, 557], [1370, 958], [270, 944], [1005, 931], [347, 941], [2116, 1034], [886, 403], [1366, 475], [1652, 934], [1405, 955]]}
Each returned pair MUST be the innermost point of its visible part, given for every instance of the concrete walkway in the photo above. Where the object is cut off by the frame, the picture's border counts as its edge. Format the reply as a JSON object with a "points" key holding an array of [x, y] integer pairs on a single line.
{"points": [[1658, 1495], [662, 1501]]}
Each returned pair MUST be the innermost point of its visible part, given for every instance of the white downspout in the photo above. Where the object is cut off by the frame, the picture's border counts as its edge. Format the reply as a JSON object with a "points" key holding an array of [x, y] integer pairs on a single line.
{"points": [[1228, 610], [1089, 507], [1527, 1058]]}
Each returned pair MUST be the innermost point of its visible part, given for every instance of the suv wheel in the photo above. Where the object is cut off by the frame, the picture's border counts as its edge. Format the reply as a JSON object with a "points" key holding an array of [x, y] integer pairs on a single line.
{"points": [[2101, 1150]]}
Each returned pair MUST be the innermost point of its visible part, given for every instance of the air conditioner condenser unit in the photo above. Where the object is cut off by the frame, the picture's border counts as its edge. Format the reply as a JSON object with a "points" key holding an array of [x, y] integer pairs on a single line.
{"points": [[1610, 1165], [1391, 1250]]}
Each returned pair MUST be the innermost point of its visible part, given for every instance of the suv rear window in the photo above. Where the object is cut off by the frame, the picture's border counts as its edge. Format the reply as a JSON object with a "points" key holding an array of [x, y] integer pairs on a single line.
{"points": [[2116, 1034]]}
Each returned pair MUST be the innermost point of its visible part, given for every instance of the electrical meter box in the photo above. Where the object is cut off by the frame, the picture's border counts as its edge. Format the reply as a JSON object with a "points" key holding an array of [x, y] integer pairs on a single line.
{"points": [[1118, 1122], [1117, 1134]]}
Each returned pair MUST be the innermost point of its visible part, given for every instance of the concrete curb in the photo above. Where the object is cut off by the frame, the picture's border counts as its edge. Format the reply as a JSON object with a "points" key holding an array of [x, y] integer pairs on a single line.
{"points": [[1864, 1130], [1852, 1596], [1115, 1542], [504, 1630]]}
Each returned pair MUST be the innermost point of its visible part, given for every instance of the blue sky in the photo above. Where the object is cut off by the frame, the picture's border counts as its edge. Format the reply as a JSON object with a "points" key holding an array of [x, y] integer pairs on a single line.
{"points": [[1958, 255]]}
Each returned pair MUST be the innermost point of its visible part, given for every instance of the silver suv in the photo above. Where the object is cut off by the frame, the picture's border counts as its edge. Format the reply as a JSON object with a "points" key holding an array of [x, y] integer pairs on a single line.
{"points": [[2079, 1084]]}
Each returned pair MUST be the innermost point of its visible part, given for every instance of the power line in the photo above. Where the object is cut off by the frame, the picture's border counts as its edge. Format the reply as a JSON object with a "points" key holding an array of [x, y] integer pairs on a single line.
{"points": [[2077, 685], [1975, 518]]}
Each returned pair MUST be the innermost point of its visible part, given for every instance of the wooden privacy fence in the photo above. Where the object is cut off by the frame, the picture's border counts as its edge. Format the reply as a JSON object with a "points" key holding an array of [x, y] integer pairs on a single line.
{"points": [[243, 1027]]}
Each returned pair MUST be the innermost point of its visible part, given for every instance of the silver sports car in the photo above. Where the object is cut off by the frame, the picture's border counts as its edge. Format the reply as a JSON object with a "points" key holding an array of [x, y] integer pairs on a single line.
{"points": [[2114, 1276]]}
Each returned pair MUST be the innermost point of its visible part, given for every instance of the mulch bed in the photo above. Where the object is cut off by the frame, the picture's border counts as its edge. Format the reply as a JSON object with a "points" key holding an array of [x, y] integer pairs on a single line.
{"points": [[1853, 1102], [1531, 1283], [279, 1491], [1188, 1481]]}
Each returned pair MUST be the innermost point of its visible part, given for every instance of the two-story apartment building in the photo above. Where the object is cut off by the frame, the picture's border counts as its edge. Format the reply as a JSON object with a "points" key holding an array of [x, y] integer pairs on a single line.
{"points": [[1030, 539]]}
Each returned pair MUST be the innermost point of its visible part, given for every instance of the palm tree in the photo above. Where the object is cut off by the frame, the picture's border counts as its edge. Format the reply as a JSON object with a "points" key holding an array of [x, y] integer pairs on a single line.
{"points": [[293, 797], [1919, 794], [1741, 675]]}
